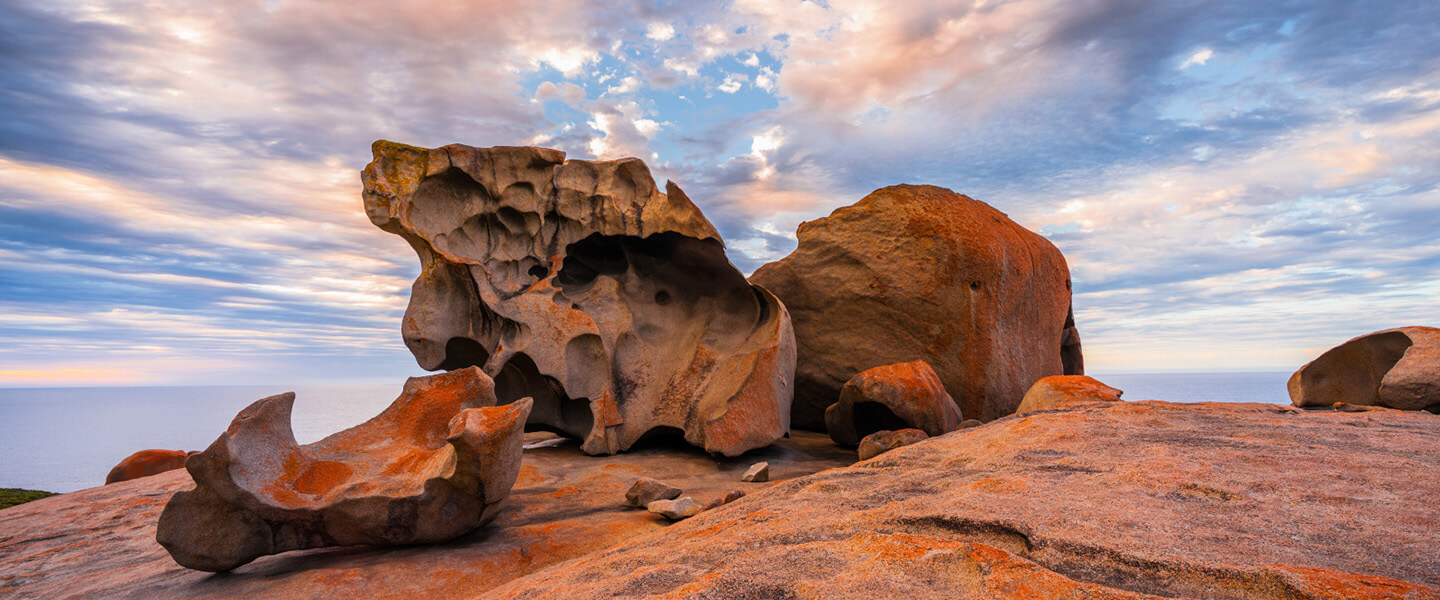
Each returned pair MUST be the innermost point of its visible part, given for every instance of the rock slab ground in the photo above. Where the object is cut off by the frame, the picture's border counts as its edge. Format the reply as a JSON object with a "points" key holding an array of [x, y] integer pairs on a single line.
{"points": [[1097, 500], [1090, 500], [100, 542]]}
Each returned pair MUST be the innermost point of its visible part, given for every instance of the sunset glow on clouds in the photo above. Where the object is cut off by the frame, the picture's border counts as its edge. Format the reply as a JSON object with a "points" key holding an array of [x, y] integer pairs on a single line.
{"points": [[1235, 185]]}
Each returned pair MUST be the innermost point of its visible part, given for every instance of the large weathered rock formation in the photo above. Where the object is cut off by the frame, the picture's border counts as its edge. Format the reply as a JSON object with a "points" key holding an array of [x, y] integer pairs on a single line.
{"points": [[583, 286], [892, 397], [434, 465], [922, 273], [1395, 368]]}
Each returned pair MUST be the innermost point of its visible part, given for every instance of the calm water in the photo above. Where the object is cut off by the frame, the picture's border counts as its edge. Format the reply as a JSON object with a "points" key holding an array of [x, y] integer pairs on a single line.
{"points": [[67, 439]]}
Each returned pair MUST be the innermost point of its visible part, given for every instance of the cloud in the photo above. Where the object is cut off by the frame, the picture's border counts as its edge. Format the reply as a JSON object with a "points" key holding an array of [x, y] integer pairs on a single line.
{"points": [[567, 92], [660, 32], [1198, 58], [183, 178], [733, 82]]}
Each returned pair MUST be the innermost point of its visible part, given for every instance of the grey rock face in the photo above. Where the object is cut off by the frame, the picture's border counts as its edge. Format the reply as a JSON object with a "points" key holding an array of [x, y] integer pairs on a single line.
{"points": [[647, 490], [1394, 368], [675, 510]]}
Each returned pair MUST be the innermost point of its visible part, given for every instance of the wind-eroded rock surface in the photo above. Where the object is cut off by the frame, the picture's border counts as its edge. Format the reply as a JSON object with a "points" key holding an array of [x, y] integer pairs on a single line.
{"points": [[582, 285], [432, 466], [1089, 500], [923, 273]]}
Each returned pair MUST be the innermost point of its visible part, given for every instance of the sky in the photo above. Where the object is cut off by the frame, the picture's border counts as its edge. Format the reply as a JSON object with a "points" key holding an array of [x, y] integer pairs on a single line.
{"points": [[1236, 185]]}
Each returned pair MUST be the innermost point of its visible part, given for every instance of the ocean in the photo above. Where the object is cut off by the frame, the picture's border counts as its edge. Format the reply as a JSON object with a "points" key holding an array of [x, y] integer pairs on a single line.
{"points": [[66, 439]]}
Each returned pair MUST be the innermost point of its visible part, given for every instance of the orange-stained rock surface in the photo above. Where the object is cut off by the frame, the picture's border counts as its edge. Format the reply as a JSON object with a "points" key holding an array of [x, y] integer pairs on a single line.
{"points": [[1092, 500], [584, 286], [100, 542], [146, 463], [1394, 368], [432, 466], [923, 273], [1087, 500], [1055, 390], [889, 398]]}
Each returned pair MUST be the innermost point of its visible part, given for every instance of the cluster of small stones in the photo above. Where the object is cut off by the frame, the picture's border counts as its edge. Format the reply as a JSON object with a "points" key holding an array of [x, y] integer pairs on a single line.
{"points": [[666, 500]]}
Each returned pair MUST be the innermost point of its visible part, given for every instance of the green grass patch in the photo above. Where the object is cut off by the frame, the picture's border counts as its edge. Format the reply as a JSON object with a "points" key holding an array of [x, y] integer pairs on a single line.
{"points": [[11, 496]]}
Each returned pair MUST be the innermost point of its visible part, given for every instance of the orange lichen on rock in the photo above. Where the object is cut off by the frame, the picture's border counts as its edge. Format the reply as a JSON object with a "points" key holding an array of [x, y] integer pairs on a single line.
{"points": [[891, 398], [145, 463], [432, 466], [1050, 504], [922, 273], [1055, 390]]}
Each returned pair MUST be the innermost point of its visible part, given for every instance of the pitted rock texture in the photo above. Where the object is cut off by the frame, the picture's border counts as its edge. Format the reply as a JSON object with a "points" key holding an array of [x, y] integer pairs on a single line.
{"points": [[1394, 368], [146, 463], [99, 543], [1087, 500], [583, 286], [1055, 390], [881, 442], [431, 467], [892, 397], [922, 273]]}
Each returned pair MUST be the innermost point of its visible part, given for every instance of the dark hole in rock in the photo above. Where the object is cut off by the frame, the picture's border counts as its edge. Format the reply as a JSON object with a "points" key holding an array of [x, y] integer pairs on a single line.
{"points": [[1072, 360], [871, 417], [539, 272], [553, 410], [464, 352], [661, 438], [974, 285], [662, 297], [592, 257]]}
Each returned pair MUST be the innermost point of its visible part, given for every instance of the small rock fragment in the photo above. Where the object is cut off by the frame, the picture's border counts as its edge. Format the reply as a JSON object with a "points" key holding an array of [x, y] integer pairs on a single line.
{"points": [[647, 490], [757, 473], [732, 496], [881, 442], [1347, 407], [682, 508]]}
